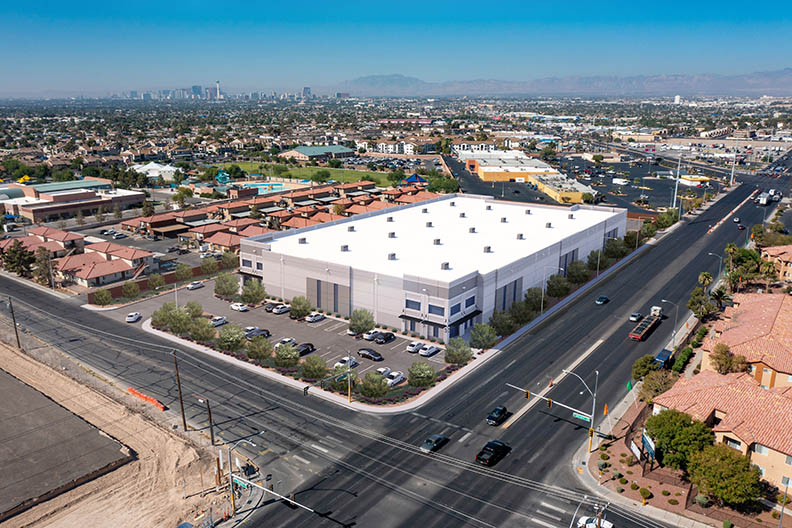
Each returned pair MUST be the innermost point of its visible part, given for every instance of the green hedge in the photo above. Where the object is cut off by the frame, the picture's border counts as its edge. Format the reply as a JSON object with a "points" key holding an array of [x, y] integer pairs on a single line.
{"points": [[682, 360]]}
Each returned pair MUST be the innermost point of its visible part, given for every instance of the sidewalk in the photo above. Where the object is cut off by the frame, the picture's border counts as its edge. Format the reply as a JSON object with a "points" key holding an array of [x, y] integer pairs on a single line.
{"points": [[33, 284]]}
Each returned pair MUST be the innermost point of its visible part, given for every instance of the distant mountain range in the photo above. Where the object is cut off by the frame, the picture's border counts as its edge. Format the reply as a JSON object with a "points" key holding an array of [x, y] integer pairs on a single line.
{"points": [[777, 83]]}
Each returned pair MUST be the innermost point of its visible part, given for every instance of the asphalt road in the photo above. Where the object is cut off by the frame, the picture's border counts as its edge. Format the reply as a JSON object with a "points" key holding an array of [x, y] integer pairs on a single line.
{"points": [[361, 469]]}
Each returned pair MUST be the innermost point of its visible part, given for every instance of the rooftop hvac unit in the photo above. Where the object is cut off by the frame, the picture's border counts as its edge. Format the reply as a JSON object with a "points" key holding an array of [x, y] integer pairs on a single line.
{"points": [[571, 216], [445, 266], [472, 230], [436, 241], [520, 236], [351, 229], [487, 249], [461, 215], [527, 211], [390, 219], [424, 210], [428, 224], [391, 256], [392, 234], [503, 220], [453, 204], [302, 241], [345, 248], [489, 208], [548, 225]]}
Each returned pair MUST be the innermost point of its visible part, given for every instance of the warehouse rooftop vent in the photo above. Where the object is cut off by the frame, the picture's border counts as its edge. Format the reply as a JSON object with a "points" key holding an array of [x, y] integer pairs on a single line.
{"points": [[472, 230], [520, 236], [345, 248], [548, 225], [436, 241], [503, 220], [453, 204], [428, 224], [445, 266], [391, 256], [487, 249], [302, 240], [527, 211], [571, 216], [425, 210], [351, 229], [392, 234], [489, 208], [462, 215], [390, 219]]}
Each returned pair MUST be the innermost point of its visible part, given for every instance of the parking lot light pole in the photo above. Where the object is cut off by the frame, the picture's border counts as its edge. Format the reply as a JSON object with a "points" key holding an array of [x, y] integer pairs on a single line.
{"points": [[593, 398], [676, 317], [209, 412], [720, 262], [13, 321]]}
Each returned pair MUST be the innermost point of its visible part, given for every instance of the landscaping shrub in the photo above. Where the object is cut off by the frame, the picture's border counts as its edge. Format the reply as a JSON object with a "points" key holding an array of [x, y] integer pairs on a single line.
{"points": [[102, 297], [183, 272], [673, 502], [231, 338], [695, 343], [155, 281], [622, 480], [774, 514], [616, 474], [634, 486], [420, 374], [362, 321], [645, 493], [314, 367], [226, 285], [202, 331], [682, 360], [373, 385], [727, 523], [130, 290], [259, 348], [783, 499], [702, 500], [666, 493], [253, 292], [601, 464], [482, 336], [620, 490], [194, 309], [286, 356], [458, 352]]}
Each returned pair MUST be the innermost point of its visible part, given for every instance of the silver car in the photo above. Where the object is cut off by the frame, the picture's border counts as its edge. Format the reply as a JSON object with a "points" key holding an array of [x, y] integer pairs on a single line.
{"points": [[429, 350]]}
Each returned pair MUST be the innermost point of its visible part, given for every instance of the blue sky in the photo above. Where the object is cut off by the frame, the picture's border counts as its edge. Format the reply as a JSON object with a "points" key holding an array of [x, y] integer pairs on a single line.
{"points": [[90, 47]]}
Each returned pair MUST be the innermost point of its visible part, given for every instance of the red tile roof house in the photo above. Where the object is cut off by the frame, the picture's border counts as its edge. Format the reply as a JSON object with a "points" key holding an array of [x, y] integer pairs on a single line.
{"points": [[276, 219], [32, 243], [66, 239], [235, 226], [112, 251], [297, 222], [759, 327], [755, 421], [255, 230], [200, 233], [224, 242], [373, 206], [345, 188], [92, 269]]}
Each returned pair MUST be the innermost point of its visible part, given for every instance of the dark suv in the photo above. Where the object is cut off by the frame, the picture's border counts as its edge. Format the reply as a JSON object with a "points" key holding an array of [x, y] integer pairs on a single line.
{"points": [[497, 416], [305, 348], [491, 453], [385, 337]]}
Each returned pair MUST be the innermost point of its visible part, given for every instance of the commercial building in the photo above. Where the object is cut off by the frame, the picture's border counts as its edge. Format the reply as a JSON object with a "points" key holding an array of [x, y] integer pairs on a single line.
{"points": [[320, 153], [434, 268]]}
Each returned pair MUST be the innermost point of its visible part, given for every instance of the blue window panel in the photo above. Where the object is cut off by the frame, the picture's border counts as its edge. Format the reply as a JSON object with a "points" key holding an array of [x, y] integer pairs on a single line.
{"points": [[456, 309], [436, 310], [412, 305], [470, 301]]}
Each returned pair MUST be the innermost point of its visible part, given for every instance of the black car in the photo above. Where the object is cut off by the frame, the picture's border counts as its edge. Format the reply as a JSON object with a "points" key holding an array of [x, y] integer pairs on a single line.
{"points": [[305, 348], [385, 337], [370, 354], [173, 249], [183, 251], [491, 453], [270, 306], [497, 415]]}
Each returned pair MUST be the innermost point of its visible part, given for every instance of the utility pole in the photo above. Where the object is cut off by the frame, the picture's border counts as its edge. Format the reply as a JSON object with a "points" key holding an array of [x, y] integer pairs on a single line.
{"points": [[178, 384], [13, 320], [676, 185], [783, 504], [209, 412], [734, 162]]}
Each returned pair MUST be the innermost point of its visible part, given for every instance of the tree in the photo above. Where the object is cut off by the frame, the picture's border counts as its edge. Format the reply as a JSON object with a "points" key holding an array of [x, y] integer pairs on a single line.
{"points": [[558, 286], [162, 316], [373, 385], [226, 285], [183, 272], [286, 356], [181, 195], [520, 313], [731, 251], [395, 177], [699, 304], [597, 158], [616, 248], [483, 336], [79, 218], [724, 362], [648, 229], [594, 261], [102, 297], [229, 260], [231, 338], [148, 208], [42, 262], [300, 307], [320, 176], [720, 297], [705, 278], [587, 198], [253, 292], [577, 273], [726, 475], [677, 437], [656, 383], [314, 367], [420, 374], [117, 213], [130, 290], [202, 331], [180, 322], [100, 214], [208, 266], [338, 209], [259, 348], [643, 366], [155, 281], [193, 309], [502, 323], [17, 259], [533, 299], [458, 352], [361, 321]]}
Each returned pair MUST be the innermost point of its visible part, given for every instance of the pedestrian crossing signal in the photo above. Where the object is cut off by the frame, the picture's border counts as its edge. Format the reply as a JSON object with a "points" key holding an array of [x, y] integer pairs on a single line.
{"points": [[527, 395], [591, 432], [549, 403]]}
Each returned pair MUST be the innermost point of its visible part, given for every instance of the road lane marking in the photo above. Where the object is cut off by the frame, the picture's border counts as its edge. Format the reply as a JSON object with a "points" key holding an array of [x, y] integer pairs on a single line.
{"points": [[553, 507], [465, 437], [543, 523], [419, 415], [512, 363], [320, 448], [516, 416], [414, 419], [554, 517], [297, 458]]}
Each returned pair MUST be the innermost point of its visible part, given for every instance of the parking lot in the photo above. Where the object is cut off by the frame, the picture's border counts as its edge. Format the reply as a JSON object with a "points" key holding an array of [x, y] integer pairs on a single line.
{"points": [[328, 336], [408, 165], [158, 247]]}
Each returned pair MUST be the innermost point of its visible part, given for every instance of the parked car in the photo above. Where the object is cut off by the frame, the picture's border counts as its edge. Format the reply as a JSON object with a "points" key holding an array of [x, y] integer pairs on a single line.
{"points": [[183, 251], [255, 331], [429, 350], [414, 347], [383, 371], [591, 522], [346, 361], [271, 306], [314, 317], [195, 285], [371, 335], [370, 354], [635, 317], [239, 307], [281, 309], [385, 337], [103, 231], [736, 220], [173, 249], [305, 348], [741, 227], [118, 236], [206, 255], [218, 320], [286, 341], [394, 378], [497, 416], [433, 443], [602, 299], [133, 317], [491, 453]]}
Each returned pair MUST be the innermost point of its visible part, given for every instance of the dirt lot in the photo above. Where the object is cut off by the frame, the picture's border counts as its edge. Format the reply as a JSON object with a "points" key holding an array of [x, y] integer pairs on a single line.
{"points": [[145, 492]]}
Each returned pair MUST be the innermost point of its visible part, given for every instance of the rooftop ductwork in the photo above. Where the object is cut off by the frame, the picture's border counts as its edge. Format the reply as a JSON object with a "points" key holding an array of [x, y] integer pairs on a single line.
{"points": [[462, 215], [390, 219], [520, 236], [436, 241], [503, 220], [571, 216], [453, 204], [345, 248], [428, 224], [392, 234], [424, 210], [445, 266], [472, 230], [351, 228], [487, 249], [527, 211], [302, 241], [391, 256], [489, 208], [548, 225]]}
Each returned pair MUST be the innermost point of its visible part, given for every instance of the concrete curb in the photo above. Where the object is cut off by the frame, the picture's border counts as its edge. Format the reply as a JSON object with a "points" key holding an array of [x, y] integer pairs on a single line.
{"points": [[341, 401], [33, 284]]}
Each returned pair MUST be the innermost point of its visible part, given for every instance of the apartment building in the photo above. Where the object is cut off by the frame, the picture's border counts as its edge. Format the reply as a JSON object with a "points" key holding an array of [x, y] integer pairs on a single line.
{"points": [[781, 256]]}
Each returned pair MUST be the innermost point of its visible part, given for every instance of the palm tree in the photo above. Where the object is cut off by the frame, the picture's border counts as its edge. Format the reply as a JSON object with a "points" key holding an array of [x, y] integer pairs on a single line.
{"points": [[731, 250], [720, 297], [705, 278], [767, 270]]}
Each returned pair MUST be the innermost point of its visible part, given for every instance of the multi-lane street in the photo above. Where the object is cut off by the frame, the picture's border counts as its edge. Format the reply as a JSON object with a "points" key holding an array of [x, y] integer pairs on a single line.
{"points": [[364, 470]]}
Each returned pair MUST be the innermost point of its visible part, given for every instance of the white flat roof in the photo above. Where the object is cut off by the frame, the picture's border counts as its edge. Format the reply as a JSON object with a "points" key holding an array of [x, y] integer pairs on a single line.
{"points": [[416, 254]]}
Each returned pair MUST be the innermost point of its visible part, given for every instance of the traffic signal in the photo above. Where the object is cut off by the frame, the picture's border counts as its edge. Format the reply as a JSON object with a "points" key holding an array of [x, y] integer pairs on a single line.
{"points": [[305, 390], [549, 403], [527, 394], [591, 432]]}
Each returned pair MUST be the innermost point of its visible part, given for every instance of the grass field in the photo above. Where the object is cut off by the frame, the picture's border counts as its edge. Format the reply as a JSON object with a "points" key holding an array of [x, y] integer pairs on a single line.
{"points": [[304, 173]]}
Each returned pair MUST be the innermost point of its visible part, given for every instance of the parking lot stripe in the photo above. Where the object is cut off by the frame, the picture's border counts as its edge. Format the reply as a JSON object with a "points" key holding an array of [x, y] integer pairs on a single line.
{"points": [[397, 345], [365, 369], [327, 353], [320, 448], [465, 437], [541, 522], [549, 515], [334, 327], [342, 332], [418, 415], [553, 507], [414, 419], [297, 458]]}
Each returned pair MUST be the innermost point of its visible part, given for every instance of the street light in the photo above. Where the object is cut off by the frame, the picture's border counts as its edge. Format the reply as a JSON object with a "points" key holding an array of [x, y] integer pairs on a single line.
{"points": [[544, 283], [676, 315], [231, 473], [209, 412], [720, 261], [593, 397]]}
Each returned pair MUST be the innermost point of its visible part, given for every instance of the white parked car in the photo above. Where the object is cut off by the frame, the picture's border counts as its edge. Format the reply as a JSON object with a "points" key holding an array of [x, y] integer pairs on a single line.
{"points": [[239, 307], [372, 334], [591, 522], [429, 350], [218, 320], [383, 371], [281, 309], [346, 360], [195, 285], [394, 378], [207, 255], [286, 341], [314, 317], [414, 347], [133, 317]]}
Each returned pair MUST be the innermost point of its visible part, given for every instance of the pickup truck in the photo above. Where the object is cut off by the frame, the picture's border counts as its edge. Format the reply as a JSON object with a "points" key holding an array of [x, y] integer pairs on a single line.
{"points": [[645, 327]]}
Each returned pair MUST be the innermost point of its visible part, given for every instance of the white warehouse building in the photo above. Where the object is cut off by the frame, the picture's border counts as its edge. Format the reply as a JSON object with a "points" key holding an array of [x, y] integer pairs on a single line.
{"points": [[435, 268]]}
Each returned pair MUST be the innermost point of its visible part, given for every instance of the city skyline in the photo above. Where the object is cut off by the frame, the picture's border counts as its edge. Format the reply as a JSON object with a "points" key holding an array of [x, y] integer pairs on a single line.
{"points": [[283, 48]]}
